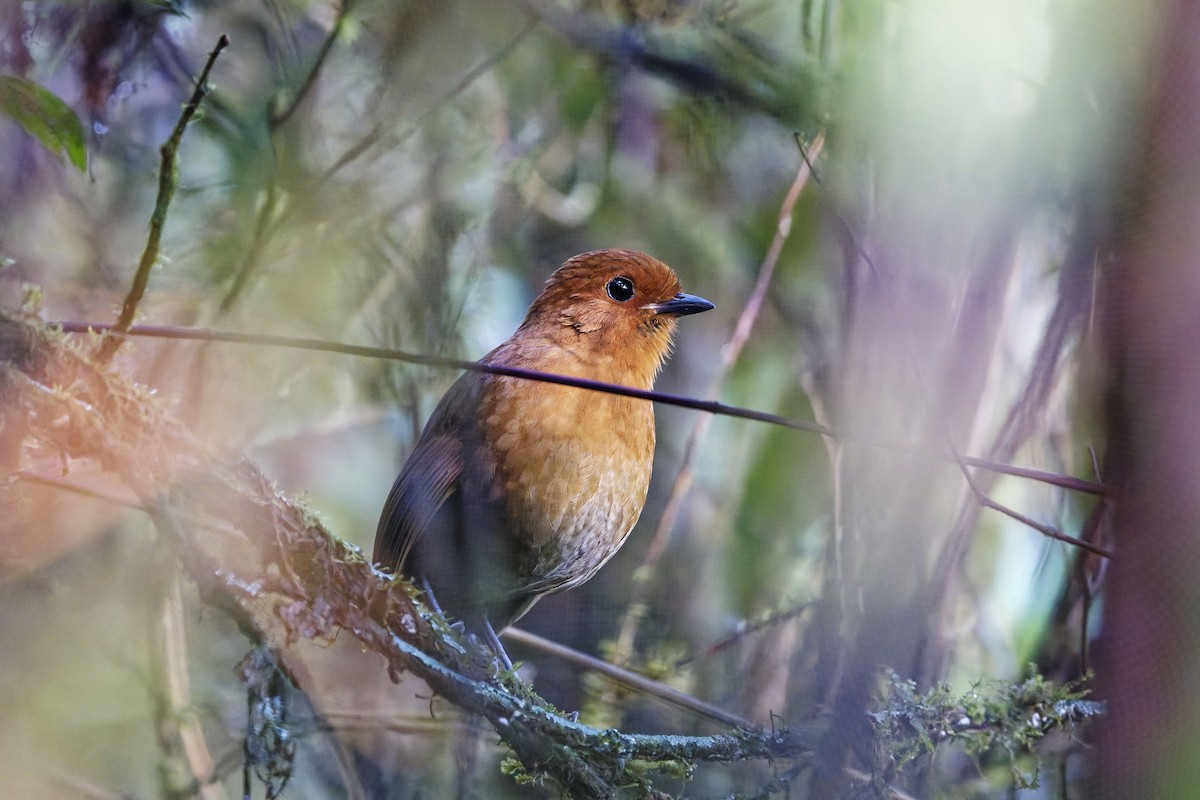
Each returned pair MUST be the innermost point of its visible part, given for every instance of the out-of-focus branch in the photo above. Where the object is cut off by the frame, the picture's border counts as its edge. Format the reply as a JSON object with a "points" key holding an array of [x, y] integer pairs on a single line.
{"points": [[181, 736], [277, 116], [280, 114], [668, 57], [283, 577], [375, 134]]}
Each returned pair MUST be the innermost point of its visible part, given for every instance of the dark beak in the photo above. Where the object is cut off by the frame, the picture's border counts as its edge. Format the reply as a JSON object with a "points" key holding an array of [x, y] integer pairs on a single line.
{"points": [[681, 305]]}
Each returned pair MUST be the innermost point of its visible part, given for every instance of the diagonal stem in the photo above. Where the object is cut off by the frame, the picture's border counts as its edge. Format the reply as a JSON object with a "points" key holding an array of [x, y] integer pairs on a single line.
{"points": [[168, 180], [729, 356], [1046, 530]]}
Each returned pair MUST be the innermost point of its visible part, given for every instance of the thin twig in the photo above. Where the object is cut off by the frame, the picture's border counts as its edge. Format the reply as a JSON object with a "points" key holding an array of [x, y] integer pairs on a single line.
{"points": [[710, 406], [85, 788], [78, 488], [846, 226], [628, 679], [1046, 530], [810, 155], [168, 179], [263, 218], [278, 117], [746, 628], [173, 668]]}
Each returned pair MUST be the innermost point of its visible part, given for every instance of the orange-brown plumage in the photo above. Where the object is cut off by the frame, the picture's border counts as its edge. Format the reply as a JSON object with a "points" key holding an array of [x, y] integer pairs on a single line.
{"points": [[519, 488]]}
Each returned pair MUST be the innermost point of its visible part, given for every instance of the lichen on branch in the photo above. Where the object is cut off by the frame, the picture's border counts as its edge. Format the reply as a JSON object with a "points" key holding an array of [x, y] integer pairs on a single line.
{"points": [[282, 576]]}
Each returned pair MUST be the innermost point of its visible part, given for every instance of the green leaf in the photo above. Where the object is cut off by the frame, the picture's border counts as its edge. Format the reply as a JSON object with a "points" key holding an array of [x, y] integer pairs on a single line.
{"points": [[45, 117]]}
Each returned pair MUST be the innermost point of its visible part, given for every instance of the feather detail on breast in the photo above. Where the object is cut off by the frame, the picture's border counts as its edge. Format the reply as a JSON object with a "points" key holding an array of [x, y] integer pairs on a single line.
{"points": [[574, 475]]}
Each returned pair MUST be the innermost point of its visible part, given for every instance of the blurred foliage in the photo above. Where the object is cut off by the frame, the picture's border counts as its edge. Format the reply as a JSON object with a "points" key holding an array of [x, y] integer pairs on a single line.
{"points": [[409, 173], [45, 117]]}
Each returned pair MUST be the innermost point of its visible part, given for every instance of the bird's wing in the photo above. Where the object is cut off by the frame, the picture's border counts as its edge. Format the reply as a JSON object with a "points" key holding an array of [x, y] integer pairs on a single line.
{"points": [[428, 479], [430, 476]]}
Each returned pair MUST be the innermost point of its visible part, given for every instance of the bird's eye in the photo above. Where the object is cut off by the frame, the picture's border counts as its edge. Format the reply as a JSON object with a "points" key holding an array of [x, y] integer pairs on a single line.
{"points": [[620, 289]]}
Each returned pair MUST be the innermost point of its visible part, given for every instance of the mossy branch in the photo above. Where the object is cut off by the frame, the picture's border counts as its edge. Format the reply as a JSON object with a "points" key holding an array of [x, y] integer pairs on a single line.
{"points": [[1002, 720], [282, 576]]}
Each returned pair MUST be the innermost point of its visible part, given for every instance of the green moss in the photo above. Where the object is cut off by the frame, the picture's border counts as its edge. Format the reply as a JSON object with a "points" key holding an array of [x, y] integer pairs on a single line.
{"points": [[1002, 722]]}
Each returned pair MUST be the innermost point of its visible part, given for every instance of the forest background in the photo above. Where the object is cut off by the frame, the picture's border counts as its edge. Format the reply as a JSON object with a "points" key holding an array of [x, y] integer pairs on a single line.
{"points": [[952, 247]]}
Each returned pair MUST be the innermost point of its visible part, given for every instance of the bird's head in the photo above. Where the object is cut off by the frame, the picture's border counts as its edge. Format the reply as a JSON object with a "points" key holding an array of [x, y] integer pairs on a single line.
{"points": [[615, 309]]}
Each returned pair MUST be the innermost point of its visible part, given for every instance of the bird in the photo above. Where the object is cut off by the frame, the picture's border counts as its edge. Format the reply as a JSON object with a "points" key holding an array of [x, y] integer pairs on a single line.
{"points": [[517, 488]]}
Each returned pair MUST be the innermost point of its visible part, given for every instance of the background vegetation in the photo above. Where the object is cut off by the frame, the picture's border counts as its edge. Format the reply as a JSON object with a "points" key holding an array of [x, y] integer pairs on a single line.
{"points": [[933, 286]]}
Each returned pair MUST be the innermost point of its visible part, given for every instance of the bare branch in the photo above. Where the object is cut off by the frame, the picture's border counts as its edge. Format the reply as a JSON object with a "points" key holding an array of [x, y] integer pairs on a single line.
{"points": [[628, 679], [280, 115], [168, 179], [710, 406], [1046, 530]]}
